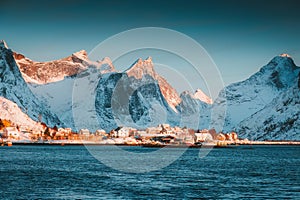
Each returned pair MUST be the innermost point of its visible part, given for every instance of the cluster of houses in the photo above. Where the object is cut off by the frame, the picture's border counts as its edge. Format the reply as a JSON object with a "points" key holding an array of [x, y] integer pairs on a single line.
{"points": [[161, 134]]}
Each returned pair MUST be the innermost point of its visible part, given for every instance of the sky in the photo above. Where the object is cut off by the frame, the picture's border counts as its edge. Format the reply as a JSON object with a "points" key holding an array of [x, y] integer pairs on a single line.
{"points": [[240, 36]]}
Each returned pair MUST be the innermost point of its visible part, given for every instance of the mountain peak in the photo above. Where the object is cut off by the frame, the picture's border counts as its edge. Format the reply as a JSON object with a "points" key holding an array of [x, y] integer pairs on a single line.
{"points": [[285, 55], [139, 61], [282, 58], [19, 56], [106, 65], [51, 71], [141, 67], [280, 63], [82, 54], [3, 44], [149, 59], [106, 60], [199, 94], [143, 63]]}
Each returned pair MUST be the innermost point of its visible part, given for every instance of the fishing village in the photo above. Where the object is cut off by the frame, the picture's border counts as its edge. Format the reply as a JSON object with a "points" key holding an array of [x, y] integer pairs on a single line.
{"points": [[162, 135]]}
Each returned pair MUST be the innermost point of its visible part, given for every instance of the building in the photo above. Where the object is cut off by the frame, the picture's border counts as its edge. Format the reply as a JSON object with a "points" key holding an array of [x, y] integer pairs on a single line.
{"points": [[188, 139], [153, 130], [123, 132], [84, 132], [228, 137], [201, 137], [234, 135], [221, 137], [100, 132], [11, 132]]}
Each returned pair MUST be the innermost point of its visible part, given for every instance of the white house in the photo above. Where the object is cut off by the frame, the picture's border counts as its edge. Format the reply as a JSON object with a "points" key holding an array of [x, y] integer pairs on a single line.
{"points": [[84, 132], [201, 137], [64, 131], [100, 132], [188, 139], [11, 132], [153, 130], [123, 132]]}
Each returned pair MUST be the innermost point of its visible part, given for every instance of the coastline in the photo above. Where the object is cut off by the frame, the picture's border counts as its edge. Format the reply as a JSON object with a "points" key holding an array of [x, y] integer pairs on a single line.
{"points": [[203, 145]]}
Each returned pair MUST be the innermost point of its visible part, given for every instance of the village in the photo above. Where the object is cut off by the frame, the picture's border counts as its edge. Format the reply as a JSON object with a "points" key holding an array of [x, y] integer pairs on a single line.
{"points": [[162, 134]]}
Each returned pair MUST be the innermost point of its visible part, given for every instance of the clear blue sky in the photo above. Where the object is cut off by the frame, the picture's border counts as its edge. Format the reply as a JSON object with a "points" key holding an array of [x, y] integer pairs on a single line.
{"points": [[240, 36]]}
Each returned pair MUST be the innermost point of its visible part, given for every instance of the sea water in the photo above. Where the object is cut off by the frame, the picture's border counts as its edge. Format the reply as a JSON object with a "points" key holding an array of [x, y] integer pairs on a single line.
{"points": [[71, 172]]}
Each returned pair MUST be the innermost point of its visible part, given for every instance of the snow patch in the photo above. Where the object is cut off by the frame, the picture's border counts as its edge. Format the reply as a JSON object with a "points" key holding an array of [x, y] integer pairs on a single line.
{"points": [[11, 111], [199, 94], [285, 55]]}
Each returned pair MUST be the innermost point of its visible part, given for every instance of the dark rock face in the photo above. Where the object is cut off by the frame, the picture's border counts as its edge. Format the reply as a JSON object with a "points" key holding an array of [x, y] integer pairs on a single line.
{"points": [[122, 100]]}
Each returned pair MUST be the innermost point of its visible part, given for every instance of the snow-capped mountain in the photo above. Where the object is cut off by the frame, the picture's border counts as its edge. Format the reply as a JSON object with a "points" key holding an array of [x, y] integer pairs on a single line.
{"points": [[199, 94], [245, 98], [11, 111], [151, 99], [141, 68], [105, 65], [278, 120], [56, 70], [267, 103], [138, 97], [195, 113], [52, 71], [58, 97], [14, 88], [52, 82]]}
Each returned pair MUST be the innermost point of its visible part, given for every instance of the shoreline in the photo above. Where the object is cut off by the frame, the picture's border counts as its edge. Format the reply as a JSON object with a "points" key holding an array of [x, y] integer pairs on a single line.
{"points": [[209, 145]]}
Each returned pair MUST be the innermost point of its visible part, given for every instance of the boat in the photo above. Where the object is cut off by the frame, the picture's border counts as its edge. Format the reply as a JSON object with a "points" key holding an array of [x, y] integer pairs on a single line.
{"points": [[198, 144]]}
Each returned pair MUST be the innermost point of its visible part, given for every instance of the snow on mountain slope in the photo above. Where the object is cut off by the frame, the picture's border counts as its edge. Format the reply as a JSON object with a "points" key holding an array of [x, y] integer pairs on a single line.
{"points": [[247, 97], [11, 111], [151, 100], [134, 98], [265, 106], [278, 120], [144, 90], [56, 70], [105, 66], [52, 71], [58, 97], [14, 88], [195, 113], [146, 67], [199, 94]]}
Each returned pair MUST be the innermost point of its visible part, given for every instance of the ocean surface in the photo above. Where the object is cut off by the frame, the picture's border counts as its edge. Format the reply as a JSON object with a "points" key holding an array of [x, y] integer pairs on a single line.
{"points": [[71, 172]]}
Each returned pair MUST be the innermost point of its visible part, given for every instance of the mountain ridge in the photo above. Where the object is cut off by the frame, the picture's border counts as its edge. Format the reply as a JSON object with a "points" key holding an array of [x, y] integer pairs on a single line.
{"points": [[245, 98], [38, 72], [14, 88], [152, 99]]}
